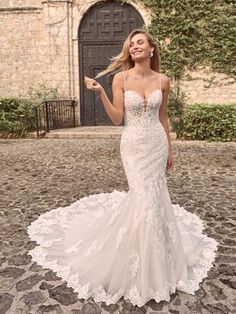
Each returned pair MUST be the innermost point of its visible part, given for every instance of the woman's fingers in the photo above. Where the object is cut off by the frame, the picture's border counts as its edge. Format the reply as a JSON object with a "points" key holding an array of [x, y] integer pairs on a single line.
{"points": [[169, 164], [90, 83]]}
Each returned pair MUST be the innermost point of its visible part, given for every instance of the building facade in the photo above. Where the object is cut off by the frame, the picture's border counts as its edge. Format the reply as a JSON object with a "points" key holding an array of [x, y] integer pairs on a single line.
{"points": [[59, 41]]}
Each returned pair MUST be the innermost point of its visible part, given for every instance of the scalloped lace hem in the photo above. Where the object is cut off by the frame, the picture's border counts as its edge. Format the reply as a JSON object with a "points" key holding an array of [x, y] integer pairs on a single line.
{"points": [[196, 273], [99, 293]]}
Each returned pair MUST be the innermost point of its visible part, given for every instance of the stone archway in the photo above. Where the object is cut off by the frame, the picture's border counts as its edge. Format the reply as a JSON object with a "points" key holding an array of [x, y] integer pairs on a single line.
{"points": [[101, 35]]}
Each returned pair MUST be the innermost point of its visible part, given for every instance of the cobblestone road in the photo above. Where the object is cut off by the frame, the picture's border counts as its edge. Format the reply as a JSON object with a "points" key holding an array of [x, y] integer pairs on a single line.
{"points": [[38, 175]]}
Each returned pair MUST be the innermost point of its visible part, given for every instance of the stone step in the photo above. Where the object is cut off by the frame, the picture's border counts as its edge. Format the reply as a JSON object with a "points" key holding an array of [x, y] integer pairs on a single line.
{"points": [[87, 132]]}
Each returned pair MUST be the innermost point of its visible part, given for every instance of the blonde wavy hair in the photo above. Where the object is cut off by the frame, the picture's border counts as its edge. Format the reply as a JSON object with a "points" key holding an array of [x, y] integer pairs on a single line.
{"points": [[123, 60]]}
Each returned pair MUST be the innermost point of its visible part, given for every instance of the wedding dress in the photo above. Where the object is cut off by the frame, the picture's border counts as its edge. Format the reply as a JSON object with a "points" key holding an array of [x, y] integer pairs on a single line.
{"points": [[135, 244]]}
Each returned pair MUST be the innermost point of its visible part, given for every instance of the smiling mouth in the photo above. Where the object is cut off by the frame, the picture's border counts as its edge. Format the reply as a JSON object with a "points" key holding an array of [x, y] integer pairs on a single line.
{"points": [[136, 52]]}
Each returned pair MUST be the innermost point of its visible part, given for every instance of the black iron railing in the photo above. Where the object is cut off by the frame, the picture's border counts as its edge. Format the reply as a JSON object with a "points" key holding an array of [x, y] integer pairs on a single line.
{"points": [[55, 114]]}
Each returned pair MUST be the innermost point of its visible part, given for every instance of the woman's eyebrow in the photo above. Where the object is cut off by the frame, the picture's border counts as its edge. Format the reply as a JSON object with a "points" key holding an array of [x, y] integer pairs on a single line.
{"points": [[139, 40]]}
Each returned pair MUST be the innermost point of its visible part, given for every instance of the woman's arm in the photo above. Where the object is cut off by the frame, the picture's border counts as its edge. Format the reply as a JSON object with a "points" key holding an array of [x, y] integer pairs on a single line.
{"points": [[115, 110], [163, 115]]}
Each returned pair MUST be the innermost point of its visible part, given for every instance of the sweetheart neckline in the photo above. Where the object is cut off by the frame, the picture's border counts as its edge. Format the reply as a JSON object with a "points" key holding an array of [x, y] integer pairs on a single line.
{"points": [[143, 99]]}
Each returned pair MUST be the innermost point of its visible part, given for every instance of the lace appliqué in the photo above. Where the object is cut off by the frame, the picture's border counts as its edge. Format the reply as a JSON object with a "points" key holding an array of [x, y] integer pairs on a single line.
{"points": [[94, 247], [134, 263], [134, 296], [121, 233], [172, 231], [74, 247], [135, 115], [101, 295]]}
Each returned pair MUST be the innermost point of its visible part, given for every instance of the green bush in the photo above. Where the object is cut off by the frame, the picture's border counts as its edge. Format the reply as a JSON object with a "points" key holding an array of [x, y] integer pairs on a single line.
{"points": [[41, 92], [176, 104], [210, 122], [17, 114], [16, 117]]}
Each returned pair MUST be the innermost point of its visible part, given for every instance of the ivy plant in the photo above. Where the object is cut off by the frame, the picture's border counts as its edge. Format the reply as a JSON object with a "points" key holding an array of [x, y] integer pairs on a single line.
{"points": [[194, 33]]}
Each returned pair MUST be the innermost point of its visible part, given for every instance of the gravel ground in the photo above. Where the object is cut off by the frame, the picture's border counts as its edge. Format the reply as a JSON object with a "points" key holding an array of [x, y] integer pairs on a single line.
{"points": [[39, 175]]}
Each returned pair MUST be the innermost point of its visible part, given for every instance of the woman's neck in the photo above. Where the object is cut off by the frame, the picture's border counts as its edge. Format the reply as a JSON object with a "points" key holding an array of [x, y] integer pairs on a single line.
{"points": [[142, 69]]}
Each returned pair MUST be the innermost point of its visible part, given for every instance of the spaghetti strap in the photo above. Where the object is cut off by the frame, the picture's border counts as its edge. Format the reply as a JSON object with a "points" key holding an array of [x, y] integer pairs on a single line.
{"points": [[124, 80], [160, 81]]}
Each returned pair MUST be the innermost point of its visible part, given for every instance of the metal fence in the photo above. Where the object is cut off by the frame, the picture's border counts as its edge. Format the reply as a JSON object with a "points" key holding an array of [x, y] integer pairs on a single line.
{"points": [[55, 114]]}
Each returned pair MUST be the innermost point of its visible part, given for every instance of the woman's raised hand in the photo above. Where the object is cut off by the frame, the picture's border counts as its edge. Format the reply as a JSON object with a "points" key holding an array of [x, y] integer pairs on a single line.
{"points": [[92, 84]]}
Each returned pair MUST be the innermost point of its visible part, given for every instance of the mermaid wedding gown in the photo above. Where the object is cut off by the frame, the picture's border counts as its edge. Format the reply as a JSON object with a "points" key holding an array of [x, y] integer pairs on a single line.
{"points": [[135, 244]]}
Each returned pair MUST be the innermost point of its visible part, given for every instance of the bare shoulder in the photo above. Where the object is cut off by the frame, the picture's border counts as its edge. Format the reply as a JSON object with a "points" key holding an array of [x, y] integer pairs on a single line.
{"points": [[164, 78], [118, 79], [165, 81], [118, 76]]}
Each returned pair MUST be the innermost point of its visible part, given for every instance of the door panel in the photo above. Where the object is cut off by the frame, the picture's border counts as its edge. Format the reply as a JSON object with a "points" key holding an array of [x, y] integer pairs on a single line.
{"points": [[101, 34]]}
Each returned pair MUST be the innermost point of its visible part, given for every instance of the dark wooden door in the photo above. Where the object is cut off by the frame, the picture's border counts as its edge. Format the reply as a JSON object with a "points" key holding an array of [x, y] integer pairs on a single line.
{"points": [[101, 35]]}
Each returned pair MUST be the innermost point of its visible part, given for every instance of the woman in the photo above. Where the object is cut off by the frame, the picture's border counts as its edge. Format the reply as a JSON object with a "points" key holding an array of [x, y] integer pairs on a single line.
{"points": [[134, 244]]}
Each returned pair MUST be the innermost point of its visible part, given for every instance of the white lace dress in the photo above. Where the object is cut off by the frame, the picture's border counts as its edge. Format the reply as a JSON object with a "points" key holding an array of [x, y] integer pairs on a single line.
{"points": [[135, 244]]}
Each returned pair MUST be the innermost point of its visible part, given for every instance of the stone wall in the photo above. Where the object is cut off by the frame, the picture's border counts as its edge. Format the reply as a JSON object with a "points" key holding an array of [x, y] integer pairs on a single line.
{"points": [[19, 3], [35, 46], [39, 42], [204, 86], [24, 48]]}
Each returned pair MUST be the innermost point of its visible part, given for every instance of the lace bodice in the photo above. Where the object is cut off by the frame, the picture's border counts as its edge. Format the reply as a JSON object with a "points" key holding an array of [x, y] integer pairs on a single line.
{"points": [[142, 112], [139, 112]]}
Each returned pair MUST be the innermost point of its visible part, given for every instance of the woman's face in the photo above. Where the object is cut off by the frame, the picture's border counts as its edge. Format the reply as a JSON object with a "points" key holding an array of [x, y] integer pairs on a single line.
{"points": [[140, 48]]}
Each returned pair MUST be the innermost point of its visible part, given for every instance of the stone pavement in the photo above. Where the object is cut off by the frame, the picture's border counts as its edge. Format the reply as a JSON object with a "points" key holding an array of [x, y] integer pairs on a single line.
{"points": [[38, 175]]}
